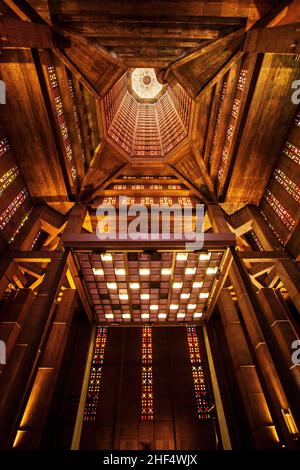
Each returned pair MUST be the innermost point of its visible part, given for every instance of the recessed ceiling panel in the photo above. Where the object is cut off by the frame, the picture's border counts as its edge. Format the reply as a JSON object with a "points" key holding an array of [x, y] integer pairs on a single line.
{"points": [[157, 287]]}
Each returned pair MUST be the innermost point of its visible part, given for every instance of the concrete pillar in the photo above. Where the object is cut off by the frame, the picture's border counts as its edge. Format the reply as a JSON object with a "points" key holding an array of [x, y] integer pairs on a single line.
{"points": [[39, 402], [260, 420]]}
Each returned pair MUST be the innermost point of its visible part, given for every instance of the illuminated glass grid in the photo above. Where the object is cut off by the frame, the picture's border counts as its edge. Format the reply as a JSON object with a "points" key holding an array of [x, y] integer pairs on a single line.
{"points": [[35, 240], [13, 207], [8, 177], [281, 212], [61, 121], [4, 146], [75, 113], [148, 200], [242, 79], [256, 240], [292, 152], [218, 120], [289, 185], [147, 375], [297, 119], [223, 164], [92, 399], [198, 373], [143, 280], [52, 76], [19, 228], [272, 227]]}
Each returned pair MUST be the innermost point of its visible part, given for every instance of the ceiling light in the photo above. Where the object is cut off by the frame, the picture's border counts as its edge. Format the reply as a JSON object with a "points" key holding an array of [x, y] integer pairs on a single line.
{"points": [[109, 316], [134, 285], [198, 314], [123, 296], [212, 270], [153, 307], [177, 285], [144, 272], [197, 285], [204, 295], [205, 256], [162, 315], [98, 271], [106, 257], [145, 315], [185, 296], [145, 296], [173, 307], [180, 315], [166, 271], [181, 256], [126, 315], [111, 285], [191, 306], [190, 270], [120, 272]]}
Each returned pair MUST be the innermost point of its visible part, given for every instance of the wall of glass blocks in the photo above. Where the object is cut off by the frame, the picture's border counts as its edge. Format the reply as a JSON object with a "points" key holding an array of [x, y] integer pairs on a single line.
{"points": [[93, 393], [202, 401], [147, 375]]}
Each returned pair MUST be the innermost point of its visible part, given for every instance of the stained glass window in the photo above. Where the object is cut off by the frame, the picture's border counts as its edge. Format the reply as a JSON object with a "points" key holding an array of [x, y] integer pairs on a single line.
{"points": [[287, 183], [236, 107], [292, 152], [21, 224], [281, 212], [147, 375], [13, 207], [147, 201], [198, 373], [271, 227], [165, 201], [93, 392], [62, 122], [8, 178], [52, 76], [184, 201], [242, 79], [218, 120], [4, 146], [297, 119], [256, 240], [35, 240]]}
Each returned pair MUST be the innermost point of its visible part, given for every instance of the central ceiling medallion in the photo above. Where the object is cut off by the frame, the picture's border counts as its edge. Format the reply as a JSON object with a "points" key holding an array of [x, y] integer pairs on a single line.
{"points": [[145, 84]]}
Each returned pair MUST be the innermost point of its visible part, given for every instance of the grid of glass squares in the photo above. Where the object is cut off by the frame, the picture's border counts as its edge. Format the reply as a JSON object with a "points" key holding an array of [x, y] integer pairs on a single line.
{"points": [[147, 375], [92, 399], [198, 374], [138, 286]]}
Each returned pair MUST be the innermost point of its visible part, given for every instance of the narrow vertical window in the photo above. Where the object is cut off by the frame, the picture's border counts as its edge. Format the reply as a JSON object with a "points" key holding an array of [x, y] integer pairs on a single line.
{"points": [[281, 212], [92, 398], [147, 375], [198, 374]]}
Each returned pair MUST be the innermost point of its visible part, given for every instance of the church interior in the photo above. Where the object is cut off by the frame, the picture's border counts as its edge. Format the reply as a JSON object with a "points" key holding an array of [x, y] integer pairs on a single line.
{"points": [[143, 344]]}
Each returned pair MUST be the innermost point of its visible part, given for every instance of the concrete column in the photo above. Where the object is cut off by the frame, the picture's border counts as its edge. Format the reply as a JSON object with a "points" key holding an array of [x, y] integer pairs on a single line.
{"points": [[18, 372], [13, 317], [260, 420], [39, 402], [250, 310]]}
